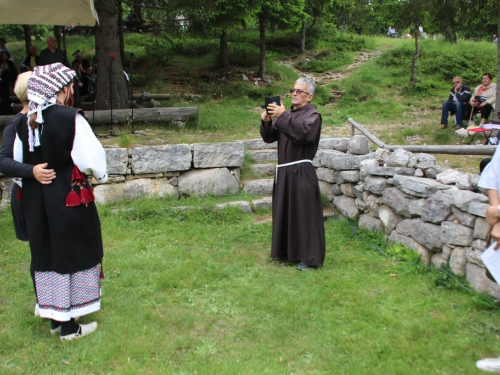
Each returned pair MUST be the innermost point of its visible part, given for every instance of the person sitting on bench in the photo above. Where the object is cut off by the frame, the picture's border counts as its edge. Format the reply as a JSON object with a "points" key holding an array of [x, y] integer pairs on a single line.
{"points": [[484, 97], [457, 103]]}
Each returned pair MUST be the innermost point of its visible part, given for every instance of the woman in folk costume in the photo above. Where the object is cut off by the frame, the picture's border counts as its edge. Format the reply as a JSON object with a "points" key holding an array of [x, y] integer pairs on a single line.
{"points": [[61, 218]]}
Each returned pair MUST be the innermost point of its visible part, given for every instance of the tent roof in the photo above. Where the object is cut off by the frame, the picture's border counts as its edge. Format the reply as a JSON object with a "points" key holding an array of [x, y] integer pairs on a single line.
{"points": [[48, 12]]}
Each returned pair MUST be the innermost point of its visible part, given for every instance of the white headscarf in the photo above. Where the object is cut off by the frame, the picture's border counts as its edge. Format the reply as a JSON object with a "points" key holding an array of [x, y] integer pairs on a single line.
{"points": [[43, 86]]}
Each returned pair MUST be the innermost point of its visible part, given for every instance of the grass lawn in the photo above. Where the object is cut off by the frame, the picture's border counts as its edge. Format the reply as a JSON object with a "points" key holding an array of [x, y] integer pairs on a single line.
{"points": [[191, 292]]}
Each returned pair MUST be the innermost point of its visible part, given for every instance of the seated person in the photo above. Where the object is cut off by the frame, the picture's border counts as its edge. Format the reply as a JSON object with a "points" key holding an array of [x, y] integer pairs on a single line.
{"points": [[31, 60], [86, 80], [484, 97], [457, 104], [391, 33], [131, 20], [8, 76], [79, 60]]}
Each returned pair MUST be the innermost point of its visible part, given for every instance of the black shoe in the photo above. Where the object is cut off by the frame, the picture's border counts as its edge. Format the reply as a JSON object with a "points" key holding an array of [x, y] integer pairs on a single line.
{"points": [[303, 267]]}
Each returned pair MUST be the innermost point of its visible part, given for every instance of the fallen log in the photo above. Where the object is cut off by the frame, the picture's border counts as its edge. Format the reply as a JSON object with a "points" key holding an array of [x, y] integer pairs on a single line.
{"points": [[141, 115]]}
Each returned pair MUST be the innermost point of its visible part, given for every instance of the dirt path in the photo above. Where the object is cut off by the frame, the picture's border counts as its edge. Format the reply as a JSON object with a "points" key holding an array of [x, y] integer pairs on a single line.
{"points": [[327, 77]]}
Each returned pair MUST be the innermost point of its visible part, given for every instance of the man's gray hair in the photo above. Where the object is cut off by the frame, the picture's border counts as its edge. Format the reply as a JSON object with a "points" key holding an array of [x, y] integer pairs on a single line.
{"points": [[456, 78], [311, 86]]}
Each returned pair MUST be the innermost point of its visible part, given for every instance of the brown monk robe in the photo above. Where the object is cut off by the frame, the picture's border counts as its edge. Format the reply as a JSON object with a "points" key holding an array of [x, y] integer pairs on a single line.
{"points": [[298, 226]]}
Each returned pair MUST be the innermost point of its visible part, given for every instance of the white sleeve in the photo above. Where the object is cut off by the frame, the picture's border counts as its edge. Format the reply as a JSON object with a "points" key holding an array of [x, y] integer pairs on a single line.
{"points": [[88, 153], [490, 176], [18, 150]]}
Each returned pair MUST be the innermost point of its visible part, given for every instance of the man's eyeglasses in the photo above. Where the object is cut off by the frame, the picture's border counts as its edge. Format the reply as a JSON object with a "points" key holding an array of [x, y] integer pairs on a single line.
{"points": [[299, 91], [455, 82]]}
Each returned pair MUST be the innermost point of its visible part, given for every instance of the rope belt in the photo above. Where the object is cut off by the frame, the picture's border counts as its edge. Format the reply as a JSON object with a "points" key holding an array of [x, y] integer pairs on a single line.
{"points": [[287, 164]]}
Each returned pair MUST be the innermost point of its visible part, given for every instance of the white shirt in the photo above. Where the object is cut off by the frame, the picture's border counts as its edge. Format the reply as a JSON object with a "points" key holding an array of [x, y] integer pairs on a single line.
{"points": [[490, 177], [87, 153]]}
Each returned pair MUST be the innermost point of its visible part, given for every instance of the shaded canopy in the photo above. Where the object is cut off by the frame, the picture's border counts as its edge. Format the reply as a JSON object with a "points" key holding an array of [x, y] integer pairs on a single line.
{"points": [[48, 12]]}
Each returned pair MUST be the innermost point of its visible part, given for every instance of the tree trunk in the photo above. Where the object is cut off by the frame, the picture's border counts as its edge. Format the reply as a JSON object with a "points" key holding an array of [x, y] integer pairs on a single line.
{"points": [[137, 6], [415, 58], [223, 59], [57, 34], [64, 40], [120, 30], [274, 26], [303, 37], [111, 85], [27, 37], [262, 62], [451, 35]]}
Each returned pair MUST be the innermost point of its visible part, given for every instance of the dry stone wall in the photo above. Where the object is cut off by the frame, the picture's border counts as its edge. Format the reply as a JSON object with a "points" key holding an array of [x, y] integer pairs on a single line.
{"points": [[437, 213]]}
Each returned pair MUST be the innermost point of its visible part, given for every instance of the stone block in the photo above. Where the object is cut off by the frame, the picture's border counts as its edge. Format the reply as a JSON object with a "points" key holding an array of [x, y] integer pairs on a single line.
{"points": [[438, 261], [419, 187], [154, 159], [463, 217], [478, 281], [334, 161], [218, 155], [263, 169], [368, 222], [437, 208], [216, 181], [326, 174], [425, 254], [346, 206], [399, 158], [359, 145], [258, 144], [455, 234], [116, 160], [376, 185], [389, 218], [480, 228], [476, 208], [458, 260], [397, 200], [264, 203], [348, 190], [261, 156], [242, 205], [259, 187]]}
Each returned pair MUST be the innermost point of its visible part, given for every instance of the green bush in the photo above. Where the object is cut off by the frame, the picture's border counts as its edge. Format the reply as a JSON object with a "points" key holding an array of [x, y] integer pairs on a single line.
{"points": [[243, 55], [324, 61], [194, 47]]}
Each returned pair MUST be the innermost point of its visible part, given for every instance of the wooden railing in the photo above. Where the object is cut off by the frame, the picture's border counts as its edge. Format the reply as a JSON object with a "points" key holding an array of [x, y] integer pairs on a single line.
{"points": [[428, 149]]}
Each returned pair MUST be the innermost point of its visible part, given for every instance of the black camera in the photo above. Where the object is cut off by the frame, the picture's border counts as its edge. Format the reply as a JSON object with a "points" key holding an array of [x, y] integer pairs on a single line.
{"points": [[271, 100]]}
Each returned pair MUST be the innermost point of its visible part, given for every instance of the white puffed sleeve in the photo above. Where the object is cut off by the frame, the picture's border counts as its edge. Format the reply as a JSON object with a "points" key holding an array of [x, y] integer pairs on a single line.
{"points": [[490, 176], [18, 150], [88, 153]]}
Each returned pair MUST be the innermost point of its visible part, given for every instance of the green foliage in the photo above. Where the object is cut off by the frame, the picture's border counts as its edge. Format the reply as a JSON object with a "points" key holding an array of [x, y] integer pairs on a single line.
{"points": [[398, 58], [324, 61], [194, 47], [243, 55]]}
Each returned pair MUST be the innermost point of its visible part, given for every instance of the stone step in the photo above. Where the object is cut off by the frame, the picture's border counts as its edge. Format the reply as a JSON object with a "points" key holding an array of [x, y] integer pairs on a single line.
{"points": [[263, 169], [263, 155], [259, 187]]}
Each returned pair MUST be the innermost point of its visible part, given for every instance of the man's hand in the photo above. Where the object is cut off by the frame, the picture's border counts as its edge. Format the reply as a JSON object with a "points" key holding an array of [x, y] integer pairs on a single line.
{"points": [[492, 216], [495, 234], [483, 104], [265, 117], [275, 110], [43, 175]]}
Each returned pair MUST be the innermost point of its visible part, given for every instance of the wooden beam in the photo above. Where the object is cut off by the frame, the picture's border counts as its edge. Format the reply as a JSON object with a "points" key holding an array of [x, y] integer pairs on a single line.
{"points": [[445, 149], [428, 149], [122, 116], [366, 133]]}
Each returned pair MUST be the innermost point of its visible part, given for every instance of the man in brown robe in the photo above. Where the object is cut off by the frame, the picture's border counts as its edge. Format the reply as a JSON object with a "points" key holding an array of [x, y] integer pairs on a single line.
{"points": [[298, 226]]}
